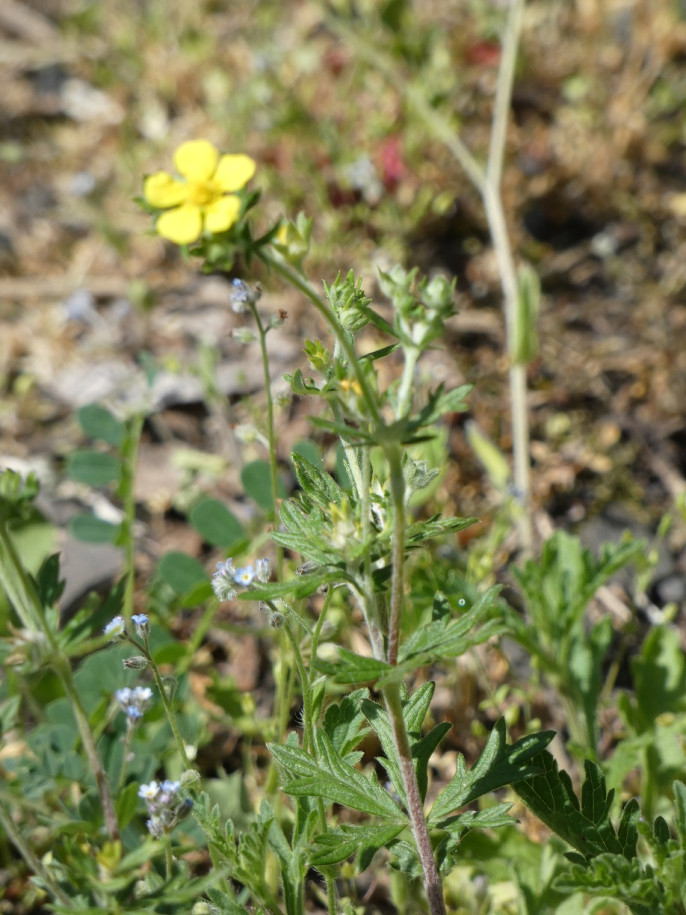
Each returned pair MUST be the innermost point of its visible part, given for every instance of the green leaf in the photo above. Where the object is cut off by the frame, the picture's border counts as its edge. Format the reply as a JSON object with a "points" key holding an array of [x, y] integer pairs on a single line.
{"points": [[445, 638], [216, 524], [93, 467], [309, 451], [344, 722], [101, 425], [353, 668], [48, 583], [586, 826], [680, 804], [90, 529], [256, 480], [295, 588], [327, 775], [500, 764], [336, 845], [181, 572], [612, 875], [127, 804], [292, 865], [316, 483]]}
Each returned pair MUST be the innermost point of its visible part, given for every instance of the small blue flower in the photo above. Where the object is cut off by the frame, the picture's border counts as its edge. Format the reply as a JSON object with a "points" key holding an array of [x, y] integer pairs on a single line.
{"points": [[149, 792], [244, 576], [116, 628], [142, 624], [134, 702]]}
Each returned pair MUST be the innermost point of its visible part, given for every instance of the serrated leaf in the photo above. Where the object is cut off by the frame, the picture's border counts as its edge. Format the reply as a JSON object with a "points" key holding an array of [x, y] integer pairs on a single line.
{"points": [[498, 765], [586, 826], [329, 776], [489, 818], [216, 524], [94, 468], [446, 638], [101, 425], [336, 845]]}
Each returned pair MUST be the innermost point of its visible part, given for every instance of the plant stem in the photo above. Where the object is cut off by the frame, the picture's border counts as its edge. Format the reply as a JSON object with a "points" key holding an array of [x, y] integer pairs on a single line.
{"points": [[299, 282], [394, 457], [271, 434], [432, 880], [164, 695], [391, 692], [31, 858], [127, 493], [63, 669], [282, 696], [487, 182], [23, 597]]}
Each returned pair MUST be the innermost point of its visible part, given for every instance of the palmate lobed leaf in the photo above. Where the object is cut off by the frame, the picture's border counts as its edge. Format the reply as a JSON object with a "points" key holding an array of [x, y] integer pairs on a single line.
{"points": [[500, 764], [328, 776], [586, 826]]}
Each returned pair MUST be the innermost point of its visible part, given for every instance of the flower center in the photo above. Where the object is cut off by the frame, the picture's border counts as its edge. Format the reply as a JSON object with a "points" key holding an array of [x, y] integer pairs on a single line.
{"points": [[202, 193]]}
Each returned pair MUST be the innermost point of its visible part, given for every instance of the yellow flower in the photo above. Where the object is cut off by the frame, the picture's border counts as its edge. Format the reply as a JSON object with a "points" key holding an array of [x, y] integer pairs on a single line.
{"points": [[203, 201]]}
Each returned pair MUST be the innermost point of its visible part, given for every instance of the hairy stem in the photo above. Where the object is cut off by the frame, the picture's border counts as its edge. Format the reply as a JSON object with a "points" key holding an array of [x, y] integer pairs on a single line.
{"points": [[432, 879]]}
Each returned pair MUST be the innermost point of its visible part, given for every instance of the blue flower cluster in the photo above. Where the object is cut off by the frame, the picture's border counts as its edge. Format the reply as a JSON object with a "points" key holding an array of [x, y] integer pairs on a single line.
{"points": [[165, 807], [134, 701]]}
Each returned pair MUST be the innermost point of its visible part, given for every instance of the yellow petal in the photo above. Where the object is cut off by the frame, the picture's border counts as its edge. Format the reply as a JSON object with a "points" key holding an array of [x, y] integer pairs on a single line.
{"points": [[161, 190], [182, 225], [196, 160], [221, 215], [234, 171]]}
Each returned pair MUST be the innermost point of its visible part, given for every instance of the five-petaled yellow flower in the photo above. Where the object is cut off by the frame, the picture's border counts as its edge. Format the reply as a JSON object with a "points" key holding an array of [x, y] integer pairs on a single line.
{"points": [[203, 201]]}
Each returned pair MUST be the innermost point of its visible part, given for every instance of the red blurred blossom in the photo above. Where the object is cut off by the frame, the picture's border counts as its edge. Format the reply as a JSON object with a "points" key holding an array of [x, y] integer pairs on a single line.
{"points": [[483, 54], [391, 165]]}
